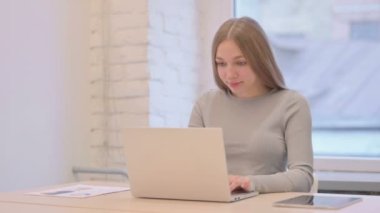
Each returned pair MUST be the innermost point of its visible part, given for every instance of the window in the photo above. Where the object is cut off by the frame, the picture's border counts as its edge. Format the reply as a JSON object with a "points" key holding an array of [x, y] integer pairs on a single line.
{"points": [[365, 30], [329, 51]]}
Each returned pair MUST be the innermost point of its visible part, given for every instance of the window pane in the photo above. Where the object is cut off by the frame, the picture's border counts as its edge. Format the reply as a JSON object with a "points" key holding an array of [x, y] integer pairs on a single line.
{"points": [[329, 50]]}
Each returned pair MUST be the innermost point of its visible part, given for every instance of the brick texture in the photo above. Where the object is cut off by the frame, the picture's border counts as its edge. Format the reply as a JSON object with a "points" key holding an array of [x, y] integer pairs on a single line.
{"points": [[119, 76], [146, 67]]}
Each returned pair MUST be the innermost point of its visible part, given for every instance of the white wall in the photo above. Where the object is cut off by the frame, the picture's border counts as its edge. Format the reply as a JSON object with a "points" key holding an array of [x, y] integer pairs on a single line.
{"points": [[180, 36], [150, 60], [52, 107], [174, 60], [43, 91], [119, 76]]}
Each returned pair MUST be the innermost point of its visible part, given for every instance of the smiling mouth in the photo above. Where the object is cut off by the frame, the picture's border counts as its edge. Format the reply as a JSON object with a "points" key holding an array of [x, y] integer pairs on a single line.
{"points": [[234, 84]]}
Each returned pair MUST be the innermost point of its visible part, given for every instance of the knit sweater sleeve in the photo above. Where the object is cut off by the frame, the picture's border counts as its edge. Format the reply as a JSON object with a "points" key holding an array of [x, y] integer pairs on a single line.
{"points": [[196, 117], [297, 134]]}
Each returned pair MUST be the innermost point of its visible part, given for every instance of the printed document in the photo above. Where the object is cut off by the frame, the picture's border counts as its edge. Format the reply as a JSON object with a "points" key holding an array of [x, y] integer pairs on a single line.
{"points": [[79, 191]]}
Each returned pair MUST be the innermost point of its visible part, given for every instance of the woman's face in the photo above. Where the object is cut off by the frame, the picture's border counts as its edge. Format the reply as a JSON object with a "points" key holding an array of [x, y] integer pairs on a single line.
{"points": [[235, 72]]}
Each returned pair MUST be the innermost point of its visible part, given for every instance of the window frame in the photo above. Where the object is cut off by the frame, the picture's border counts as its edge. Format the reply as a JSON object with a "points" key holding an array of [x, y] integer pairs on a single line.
{"points": [[336, 163]]}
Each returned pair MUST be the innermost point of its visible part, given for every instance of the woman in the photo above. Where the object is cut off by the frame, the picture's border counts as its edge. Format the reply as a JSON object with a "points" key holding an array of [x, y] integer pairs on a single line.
{"points": [[267, 127]]}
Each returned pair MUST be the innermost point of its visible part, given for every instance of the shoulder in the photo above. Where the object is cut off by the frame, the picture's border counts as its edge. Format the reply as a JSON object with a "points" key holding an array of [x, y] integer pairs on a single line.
{"points": [[294, 103], [292, 97], [211, 95], [291, 101]]}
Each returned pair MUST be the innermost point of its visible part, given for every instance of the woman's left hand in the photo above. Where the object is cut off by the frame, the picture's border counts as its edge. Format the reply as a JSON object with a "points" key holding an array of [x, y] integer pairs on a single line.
{"points": [[239, 182]]}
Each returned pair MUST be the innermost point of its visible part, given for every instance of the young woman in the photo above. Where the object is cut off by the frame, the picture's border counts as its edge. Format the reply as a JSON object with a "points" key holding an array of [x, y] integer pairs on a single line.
{"points": [[267, 127]]}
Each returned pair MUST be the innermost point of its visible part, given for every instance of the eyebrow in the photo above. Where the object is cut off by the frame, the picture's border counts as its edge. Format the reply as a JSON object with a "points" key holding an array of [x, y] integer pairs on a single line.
{"points": [[237, 57]]}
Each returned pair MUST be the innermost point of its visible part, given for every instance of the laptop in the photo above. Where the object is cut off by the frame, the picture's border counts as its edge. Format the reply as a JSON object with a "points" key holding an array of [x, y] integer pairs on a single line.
{"points": [[178, 163]]}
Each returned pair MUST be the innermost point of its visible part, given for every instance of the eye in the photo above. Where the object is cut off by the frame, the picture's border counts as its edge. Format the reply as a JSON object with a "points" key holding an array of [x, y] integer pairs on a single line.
{"points": [[241, 63], [220, 64]]}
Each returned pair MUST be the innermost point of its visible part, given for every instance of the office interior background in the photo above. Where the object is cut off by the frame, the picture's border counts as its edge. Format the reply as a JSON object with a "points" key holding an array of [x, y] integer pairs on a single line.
{"points": [[75, 73]]}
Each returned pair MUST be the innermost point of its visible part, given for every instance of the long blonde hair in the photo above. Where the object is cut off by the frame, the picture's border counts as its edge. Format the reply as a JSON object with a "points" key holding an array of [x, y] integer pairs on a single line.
{"points": [[254, 45]]}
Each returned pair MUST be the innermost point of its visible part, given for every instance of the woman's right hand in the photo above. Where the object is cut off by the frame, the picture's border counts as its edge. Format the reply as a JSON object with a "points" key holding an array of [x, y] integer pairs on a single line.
{"points": [[237, 182]]}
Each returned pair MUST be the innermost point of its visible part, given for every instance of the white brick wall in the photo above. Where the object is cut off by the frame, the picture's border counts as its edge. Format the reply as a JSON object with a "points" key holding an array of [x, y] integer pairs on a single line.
{"points": [[149, 62], [119, 75], [173, 60], [180, 36]]}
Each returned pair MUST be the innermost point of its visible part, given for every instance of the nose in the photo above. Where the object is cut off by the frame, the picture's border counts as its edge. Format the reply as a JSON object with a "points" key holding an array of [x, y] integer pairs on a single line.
{"points": [[231, 72]]}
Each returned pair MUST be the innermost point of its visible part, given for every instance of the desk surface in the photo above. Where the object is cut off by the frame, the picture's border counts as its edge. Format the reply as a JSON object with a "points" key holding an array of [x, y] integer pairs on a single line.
{"points": [[24, 207], [125, 202]]}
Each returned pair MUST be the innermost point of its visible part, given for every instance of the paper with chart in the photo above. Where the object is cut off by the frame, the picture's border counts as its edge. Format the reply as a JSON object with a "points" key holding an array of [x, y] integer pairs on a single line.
{"points": [[79, 191]]}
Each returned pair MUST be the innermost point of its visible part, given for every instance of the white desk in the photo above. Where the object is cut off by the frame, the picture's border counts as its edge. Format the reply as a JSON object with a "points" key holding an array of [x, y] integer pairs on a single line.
{"points": [[8, 207], [125, 202]]}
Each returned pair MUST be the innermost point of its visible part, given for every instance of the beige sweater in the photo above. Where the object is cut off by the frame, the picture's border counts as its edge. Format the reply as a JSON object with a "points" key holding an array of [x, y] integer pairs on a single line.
{"points": [[267, 138]]}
